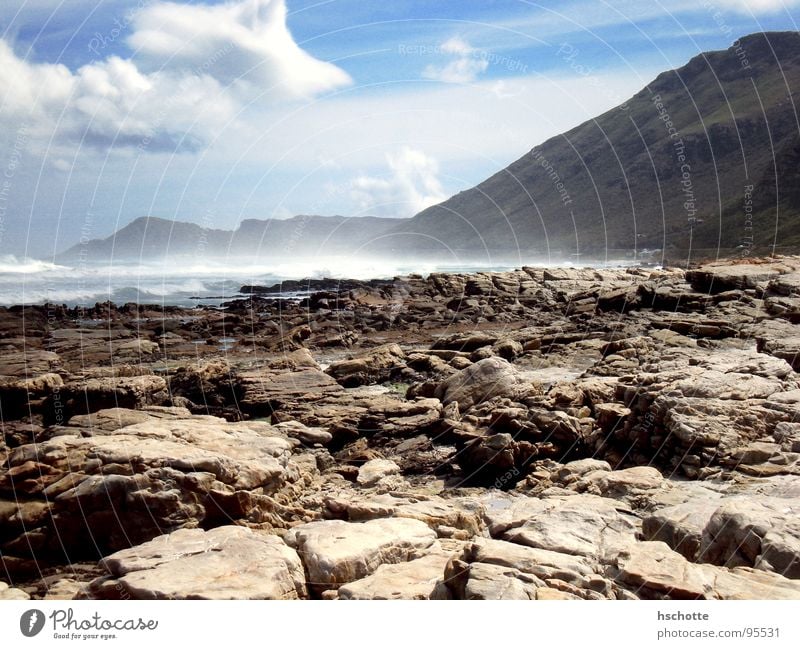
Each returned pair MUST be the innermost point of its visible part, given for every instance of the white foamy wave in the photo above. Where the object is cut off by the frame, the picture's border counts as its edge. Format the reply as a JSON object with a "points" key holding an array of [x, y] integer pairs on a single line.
{"points": [[179, 281], [13, 264]]}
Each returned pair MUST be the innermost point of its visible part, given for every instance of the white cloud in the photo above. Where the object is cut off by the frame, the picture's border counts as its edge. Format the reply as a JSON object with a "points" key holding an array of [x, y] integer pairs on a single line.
{"points": [[195, 68], [411, 185], [109, 102], [467, 65], [259, 48]]}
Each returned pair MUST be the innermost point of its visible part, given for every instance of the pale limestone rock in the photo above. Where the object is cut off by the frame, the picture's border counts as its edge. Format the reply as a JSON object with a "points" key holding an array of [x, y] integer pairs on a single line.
{"points": [[224, 563], [337, 552], [582, 524], [373, 471], [652, 570], [416, 579], [460, 518], [8, 593]]}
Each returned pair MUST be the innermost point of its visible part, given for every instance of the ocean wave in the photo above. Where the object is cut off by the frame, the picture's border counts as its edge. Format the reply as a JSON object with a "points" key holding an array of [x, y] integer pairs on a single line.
{"points": [[14, 265], [175, 281]]}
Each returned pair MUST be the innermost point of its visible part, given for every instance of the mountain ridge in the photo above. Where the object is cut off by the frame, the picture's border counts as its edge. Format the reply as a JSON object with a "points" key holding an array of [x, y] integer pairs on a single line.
{"points": [[148, 237], [622, 176]]}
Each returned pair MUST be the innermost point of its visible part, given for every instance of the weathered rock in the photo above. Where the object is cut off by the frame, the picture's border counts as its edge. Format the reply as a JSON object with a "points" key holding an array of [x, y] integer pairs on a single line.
{"points": [[570, 472], [459, 518], [224, 563], [112, 419], [681, 526], [262, 393], [508, 349], [336, 552], [465, 342], [306, 434], [376, 470], [91, 395], [8, 593], [163, 473], [722, 276], [491, 377], [654, 571], [491, 569], [762, 533], [411, 580], [581, 525], [402, 418], [380, 365], [626, 484]]}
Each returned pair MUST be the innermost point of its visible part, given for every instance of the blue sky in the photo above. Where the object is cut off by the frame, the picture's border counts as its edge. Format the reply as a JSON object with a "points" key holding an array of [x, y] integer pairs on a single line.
{"points": [[216, 112]]}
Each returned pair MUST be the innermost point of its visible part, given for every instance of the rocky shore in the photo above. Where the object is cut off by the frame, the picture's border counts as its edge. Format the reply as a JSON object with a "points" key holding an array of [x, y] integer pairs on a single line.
{"points": [[536, 434]]}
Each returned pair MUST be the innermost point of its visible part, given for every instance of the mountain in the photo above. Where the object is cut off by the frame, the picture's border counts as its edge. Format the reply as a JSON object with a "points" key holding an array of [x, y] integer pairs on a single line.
{"points": [[148, 238], [706, 156]]}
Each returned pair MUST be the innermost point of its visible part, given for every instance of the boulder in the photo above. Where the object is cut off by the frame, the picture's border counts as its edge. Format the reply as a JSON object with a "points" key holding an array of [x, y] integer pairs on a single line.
{"points": [[491, 377], [379, 365], [8, 593], [373, 471]]}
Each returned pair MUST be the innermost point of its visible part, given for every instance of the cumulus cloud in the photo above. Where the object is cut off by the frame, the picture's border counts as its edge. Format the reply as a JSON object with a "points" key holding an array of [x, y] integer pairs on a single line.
{"points": [[192, 69], [260, 48], [465, 67], [411, 185], [110, 103]]}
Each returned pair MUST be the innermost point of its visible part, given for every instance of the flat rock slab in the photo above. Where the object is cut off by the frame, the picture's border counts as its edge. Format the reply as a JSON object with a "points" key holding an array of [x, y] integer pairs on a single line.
{"points": [[417, 579], [654, 571], [337, 552], [581, 525], [264, 392], [374, 471], [225, 563]]}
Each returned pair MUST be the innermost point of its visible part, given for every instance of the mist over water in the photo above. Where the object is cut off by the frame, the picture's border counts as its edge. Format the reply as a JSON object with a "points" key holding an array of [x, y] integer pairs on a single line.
{"points": [[190, 282], [180, 282]]}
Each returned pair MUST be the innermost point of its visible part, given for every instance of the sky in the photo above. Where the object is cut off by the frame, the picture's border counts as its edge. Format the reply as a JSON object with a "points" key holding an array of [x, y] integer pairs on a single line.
{"points": [[214, 112]]}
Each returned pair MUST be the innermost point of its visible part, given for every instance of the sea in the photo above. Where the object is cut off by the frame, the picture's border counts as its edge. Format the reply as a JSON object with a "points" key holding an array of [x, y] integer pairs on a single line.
{"points": [[184, 283], [192, 282]]}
